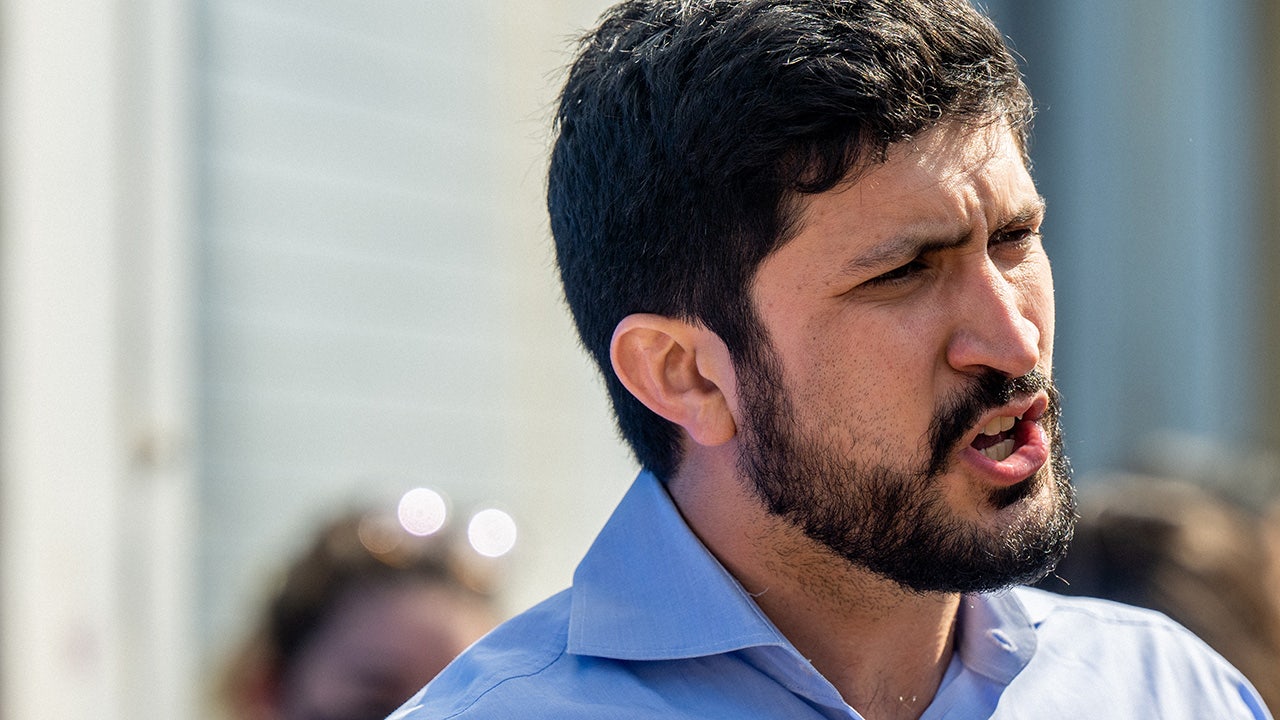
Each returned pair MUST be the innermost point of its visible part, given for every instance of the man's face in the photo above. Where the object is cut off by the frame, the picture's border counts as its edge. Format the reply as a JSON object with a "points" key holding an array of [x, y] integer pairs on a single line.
{"points": [[901, 413]]}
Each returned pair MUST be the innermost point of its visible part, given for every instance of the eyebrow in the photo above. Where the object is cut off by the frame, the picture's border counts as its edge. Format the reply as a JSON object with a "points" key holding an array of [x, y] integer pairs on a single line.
{"points": [[1032, 210], [912, 244]]}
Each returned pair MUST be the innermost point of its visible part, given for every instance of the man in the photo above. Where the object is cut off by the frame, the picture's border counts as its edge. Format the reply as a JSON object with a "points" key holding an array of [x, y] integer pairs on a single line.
{"points": [[801, 241]]}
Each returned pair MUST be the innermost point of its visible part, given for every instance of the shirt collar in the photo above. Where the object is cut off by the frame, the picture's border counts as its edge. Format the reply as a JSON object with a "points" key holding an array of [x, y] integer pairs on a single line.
{"points": [[649, 590], [997, 638]]}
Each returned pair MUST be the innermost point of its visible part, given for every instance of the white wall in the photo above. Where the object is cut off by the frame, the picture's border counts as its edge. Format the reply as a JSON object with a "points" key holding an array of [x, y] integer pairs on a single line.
{"points": [[96, 489], [261, 260], [379, 308]]}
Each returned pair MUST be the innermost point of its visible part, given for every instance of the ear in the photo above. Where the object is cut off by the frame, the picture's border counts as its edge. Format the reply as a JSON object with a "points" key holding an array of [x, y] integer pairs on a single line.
{"points": [[680, 371]]}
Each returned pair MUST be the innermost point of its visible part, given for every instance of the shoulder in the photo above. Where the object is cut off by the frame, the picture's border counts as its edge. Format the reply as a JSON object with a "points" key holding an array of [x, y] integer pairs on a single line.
{"points": [[498, 667], [1080, 622], [1102, 628], [1046, 607], [1138, 655]]}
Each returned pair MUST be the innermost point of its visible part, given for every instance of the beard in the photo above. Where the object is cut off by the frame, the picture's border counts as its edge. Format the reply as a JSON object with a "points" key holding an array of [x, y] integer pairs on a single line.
{"points": [[895, 521]]}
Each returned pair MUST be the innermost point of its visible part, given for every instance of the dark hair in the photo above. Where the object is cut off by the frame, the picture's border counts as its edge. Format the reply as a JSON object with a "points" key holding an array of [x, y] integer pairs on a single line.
{"points": [[358, 551], [688, 130]]}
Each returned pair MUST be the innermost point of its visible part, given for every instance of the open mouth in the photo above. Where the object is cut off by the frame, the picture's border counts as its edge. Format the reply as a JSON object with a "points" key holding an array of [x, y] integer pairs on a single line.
{"points": [[998, 439]]}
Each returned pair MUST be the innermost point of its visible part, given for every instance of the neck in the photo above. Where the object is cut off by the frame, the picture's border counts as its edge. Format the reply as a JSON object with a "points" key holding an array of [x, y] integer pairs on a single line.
{"points": [[884, 649]]}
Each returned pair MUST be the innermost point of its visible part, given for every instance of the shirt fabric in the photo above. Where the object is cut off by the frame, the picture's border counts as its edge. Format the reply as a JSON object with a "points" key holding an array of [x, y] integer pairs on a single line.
{"points": [[655, 627]]}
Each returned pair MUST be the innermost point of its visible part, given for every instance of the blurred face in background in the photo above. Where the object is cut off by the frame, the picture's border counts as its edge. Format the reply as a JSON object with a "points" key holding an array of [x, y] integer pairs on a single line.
{"points": [[380, 645]]}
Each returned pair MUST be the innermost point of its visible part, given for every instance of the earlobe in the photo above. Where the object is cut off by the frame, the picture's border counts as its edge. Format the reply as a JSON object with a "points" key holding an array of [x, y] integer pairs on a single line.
{"points": [[679, 371]]}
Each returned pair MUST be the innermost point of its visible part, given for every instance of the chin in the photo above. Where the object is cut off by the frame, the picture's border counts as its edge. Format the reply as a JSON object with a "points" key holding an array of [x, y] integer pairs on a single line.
{"points": [[1020, 492]]}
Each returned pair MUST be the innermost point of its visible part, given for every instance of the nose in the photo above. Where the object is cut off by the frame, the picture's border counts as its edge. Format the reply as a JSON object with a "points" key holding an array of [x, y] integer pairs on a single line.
{"points": [[991, 327]]}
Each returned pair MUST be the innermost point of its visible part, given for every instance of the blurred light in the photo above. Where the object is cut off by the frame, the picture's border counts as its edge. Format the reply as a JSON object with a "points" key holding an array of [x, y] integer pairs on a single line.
{"points": [[492, 533], [422, 511]]}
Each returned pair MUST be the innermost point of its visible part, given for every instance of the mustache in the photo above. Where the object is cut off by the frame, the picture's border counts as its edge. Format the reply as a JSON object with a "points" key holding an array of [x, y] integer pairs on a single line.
{"points": [[988, 391]]}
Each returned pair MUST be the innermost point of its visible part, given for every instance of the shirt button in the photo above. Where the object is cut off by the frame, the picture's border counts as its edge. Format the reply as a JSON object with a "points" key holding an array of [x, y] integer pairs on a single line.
{"points": [[1002, 640]]}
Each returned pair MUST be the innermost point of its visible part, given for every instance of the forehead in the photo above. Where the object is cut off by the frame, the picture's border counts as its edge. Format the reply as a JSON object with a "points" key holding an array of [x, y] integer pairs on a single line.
{"points": [[954, 178]]}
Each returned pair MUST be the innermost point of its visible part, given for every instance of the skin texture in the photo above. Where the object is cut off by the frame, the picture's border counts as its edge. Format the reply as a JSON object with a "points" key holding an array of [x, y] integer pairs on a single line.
{"points": [[897, 292]]}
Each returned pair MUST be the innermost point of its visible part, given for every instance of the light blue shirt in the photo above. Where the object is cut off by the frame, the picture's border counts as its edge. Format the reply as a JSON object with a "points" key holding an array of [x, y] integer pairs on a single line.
{"points": [[655, 627]]}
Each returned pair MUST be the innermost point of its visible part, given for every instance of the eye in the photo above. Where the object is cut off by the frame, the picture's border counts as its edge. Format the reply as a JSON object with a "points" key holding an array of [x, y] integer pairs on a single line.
{"points": [[1012, 247], [899, 275], [1015, 237]]}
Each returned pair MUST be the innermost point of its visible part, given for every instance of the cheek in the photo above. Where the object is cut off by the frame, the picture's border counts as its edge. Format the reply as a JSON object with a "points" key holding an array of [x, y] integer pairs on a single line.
{"points": [[866, 386], [1036, 288], [1046, 332]]}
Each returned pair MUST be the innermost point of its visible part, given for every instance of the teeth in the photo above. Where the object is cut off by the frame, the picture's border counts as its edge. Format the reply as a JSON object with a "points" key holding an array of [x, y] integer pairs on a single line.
{"points": [[1000, 450], [999, 425]]}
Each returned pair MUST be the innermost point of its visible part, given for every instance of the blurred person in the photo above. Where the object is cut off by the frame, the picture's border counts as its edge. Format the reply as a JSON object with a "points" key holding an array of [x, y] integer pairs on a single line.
{"points": [[1172, 546], [801, 241], [361, 620]]}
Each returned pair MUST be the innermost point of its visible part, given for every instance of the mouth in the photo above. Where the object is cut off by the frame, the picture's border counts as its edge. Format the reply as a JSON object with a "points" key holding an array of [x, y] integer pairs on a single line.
{"points": [[996, 440], [1010, 442]]}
